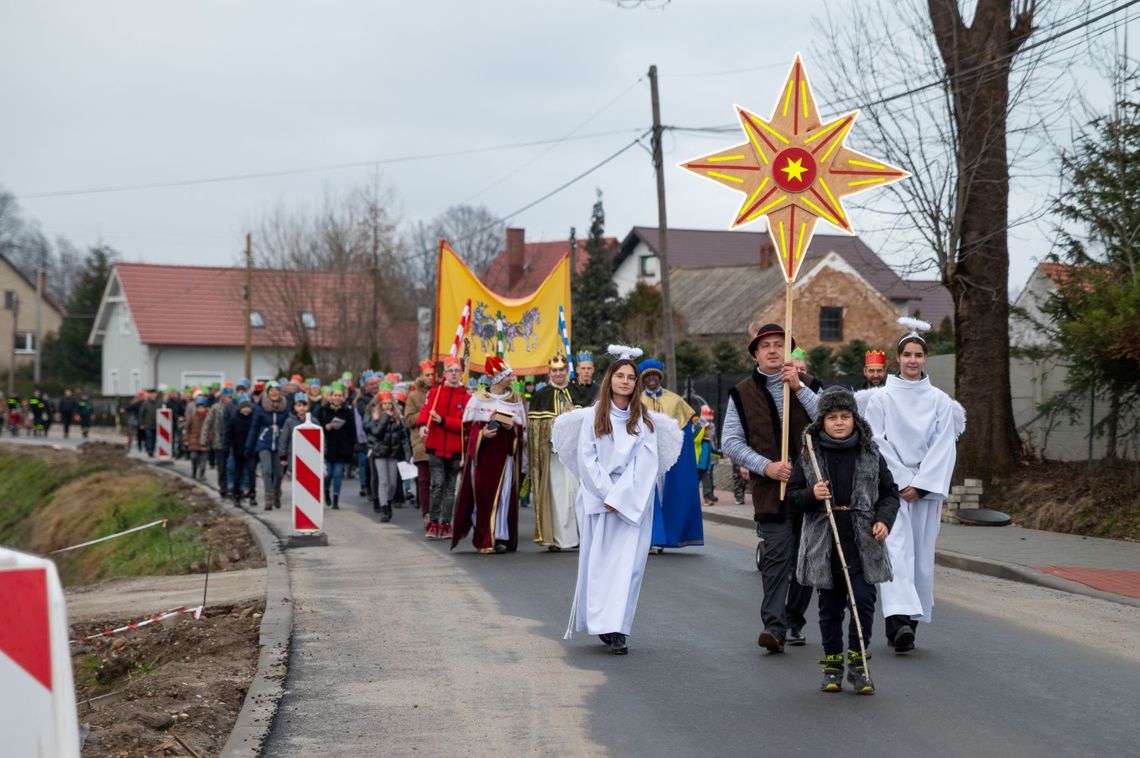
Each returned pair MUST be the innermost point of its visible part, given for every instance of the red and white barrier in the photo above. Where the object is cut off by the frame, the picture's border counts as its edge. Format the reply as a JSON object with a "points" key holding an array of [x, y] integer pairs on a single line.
{"points": [[164, 439], [195, 612], [37, 694], [308, 477]]}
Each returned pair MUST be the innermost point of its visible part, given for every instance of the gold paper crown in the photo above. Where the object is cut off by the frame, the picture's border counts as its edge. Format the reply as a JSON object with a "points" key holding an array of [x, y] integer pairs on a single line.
{"points": [[558, 361]]}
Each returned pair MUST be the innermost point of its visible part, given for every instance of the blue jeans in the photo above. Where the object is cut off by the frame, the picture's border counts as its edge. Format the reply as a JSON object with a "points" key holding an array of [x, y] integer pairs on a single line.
{"points": [[363, 471], [333, 478], [150, 436]]}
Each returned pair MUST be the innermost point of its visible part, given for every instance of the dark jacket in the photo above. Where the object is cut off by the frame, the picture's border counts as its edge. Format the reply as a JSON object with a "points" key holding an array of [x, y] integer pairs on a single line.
{"points": [[148, 414], [268, 418], [762, 430], [860, 480], [387, 437], [237, 432], [340, 444]]}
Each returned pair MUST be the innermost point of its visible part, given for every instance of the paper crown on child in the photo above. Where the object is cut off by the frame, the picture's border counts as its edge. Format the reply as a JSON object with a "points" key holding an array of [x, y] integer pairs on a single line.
{"points": [[426, 366], [451, 360], [874, 358], [558, 361], [707, 412], [585, 357], [497, 369], [799, 354], [385, 396]]}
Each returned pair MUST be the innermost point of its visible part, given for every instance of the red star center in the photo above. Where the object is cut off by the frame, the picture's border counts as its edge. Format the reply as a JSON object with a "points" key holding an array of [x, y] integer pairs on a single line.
{"points": [[795, 170]]}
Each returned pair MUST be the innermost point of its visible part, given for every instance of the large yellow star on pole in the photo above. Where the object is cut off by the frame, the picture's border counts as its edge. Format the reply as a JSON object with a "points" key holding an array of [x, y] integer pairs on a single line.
{"points": [[794, 169]]}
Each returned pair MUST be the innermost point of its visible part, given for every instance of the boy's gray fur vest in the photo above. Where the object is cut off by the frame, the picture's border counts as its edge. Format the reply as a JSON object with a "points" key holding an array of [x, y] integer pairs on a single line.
{"points": [[813, 568]]}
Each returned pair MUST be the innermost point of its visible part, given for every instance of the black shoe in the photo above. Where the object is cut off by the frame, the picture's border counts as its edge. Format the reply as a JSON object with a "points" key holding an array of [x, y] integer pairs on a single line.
{"points": [[376, 506], [771, 642], [500, 547], [832, 673], [796, 638], [618, 644], [385, 515], [363, 493], [336, 502], [857, 674], [904, 640], [606, 638]]}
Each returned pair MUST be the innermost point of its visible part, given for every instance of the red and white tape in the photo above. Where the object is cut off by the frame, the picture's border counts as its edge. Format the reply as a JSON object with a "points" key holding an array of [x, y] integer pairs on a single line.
{"points": [[109, 537], [165, 434], [308, 477], [195, 612]]}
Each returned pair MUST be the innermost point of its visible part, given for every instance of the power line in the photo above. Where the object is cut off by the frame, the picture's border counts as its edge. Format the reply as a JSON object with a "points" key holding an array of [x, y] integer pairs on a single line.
{"points": [[316, 169]]}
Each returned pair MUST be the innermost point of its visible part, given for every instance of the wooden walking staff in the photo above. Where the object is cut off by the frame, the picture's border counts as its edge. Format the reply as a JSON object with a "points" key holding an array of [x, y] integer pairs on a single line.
{"points": [[795, 170], [842, 558]]}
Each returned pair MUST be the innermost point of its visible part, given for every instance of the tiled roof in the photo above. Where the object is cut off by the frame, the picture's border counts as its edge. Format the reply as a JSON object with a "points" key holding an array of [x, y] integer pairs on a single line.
{"points": [[701, 248], [539, 259], [203, 306]]}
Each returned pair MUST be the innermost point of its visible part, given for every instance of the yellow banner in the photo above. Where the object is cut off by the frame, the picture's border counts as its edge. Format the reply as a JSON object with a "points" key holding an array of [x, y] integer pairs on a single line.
{"points": [[530, 324]]}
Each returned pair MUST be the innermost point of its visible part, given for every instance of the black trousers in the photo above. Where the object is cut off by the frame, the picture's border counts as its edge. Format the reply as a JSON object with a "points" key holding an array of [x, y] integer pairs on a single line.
{"points": [[785, 599], [834, 604]]}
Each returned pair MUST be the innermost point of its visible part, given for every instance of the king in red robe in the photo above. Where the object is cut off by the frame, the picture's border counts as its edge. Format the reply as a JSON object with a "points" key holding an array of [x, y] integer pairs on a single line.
{"points": [[488, 502]]}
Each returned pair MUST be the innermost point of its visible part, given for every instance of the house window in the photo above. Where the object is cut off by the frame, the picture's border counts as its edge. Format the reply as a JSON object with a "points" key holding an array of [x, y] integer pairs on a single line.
{"points": [[256, 320], [25, 343], [645, 267], [136, 381], [831, 324], [308, 320]]}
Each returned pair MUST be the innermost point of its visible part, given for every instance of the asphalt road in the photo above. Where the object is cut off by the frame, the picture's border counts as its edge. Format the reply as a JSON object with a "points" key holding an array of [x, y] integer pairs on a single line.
{"points": [[401, 648]]}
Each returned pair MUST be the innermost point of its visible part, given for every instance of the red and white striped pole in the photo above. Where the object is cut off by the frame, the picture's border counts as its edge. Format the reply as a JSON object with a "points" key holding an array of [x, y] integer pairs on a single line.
{"points": [[308, 477], [164, 440]]}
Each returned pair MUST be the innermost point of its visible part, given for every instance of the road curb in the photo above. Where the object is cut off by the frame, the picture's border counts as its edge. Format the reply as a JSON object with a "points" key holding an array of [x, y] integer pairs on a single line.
{"points": [[259, 709], [977, 565]]}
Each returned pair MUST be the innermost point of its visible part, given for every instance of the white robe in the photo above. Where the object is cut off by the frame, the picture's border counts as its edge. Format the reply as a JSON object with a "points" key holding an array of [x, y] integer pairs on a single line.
{"points": [[916, 426], [622, 471], [563, 506]]}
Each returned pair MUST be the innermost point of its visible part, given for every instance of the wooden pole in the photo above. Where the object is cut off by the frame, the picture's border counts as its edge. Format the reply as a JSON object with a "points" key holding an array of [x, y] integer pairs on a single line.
{"points": [[787, 386], [248, 306], [662, 239]]}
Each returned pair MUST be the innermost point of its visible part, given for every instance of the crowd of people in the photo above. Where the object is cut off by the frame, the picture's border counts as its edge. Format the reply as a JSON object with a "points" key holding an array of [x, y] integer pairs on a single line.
{"points": [[35, 415], [617, 469]]}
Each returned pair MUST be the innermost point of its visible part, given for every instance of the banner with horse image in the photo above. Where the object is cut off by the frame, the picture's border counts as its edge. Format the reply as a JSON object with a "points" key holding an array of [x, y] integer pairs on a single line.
{"points": [[530, 324]]}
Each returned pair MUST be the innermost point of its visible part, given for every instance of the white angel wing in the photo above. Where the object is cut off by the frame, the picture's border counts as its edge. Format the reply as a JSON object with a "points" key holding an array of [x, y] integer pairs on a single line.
{"points": [[564, 436], [959, 418], [670, 440], [862, 397]]}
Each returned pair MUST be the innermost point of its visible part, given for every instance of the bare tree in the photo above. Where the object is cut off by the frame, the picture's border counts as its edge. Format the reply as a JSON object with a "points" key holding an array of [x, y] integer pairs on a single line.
{"points": [[940, 96], [349, 249]]}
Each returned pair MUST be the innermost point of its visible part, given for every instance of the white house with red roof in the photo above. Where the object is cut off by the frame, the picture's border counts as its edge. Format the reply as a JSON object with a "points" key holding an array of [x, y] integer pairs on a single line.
{"points": [[185, 325]]}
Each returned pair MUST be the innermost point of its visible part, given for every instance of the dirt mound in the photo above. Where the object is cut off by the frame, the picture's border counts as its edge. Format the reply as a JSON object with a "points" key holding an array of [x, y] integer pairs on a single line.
{"points": [[1066, 497], [60, 498], [177, 677]]}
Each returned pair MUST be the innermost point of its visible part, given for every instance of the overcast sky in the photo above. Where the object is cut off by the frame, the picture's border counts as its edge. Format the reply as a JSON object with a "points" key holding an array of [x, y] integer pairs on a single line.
{"points": [[113, 93]]}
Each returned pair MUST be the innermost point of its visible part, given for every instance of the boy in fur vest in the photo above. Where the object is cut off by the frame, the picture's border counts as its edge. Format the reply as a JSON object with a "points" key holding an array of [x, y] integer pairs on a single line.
{"points": [[864, 501]]}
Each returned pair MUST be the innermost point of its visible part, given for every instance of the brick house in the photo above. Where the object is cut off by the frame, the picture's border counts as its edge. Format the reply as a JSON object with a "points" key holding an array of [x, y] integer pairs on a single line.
{"points": [[521, 266], [723, 283]]}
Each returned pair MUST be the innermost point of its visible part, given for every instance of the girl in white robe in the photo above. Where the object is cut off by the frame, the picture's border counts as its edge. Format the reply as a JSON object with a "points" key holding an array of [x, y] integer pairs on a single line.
{"points": [[618, 472], [916, 426]]}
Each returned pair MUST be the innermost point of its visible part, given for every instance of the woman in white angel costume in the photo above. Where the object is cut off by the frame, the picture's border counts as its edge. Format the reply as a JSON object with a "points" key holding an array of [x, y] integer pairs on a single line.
{"points": [[619, 451]]}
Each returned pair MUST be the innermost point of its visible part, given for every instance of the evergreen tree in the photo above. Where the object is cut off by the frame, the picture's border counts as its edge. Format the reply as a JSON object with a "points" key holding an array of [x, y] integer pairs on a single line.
{"points": [[597, 310], [68, 356], [692, 359], [1095, 312], [728, 358]]}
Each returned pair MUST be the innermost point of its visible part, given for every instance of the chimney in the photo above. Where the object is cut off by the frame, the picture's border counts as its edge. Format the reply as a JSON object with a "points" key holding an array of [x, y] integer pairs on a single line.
{"points": [[516, 244], [766, 253]]}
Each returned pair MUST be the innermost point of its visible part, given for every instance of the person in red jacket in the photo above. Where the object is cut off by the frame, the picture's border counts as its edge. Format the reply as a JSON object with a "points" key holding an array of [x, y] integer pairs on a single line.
{"points": [[441, 424]]}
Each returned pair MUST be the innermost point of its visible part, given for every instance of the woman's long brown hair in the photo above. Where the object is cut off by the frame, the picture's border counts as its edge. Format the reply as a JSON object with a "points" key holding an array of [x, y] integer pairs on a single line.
{"points": [[602, 425]]}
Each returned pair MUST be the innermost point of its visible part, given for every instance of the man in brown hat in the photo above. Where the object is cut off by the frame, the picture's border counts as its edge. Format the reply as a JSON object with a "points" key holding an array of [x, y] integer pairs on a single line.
{"points": [[751, 437]]}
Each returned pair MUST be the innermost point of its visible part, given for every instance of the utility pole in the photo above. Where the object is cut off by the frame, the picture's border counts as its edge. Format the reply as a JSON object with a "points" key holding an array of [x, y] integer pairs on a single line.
{"points": [[12, 303], [573, 253], [662, 240], [249, 306], [36, 364]]}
